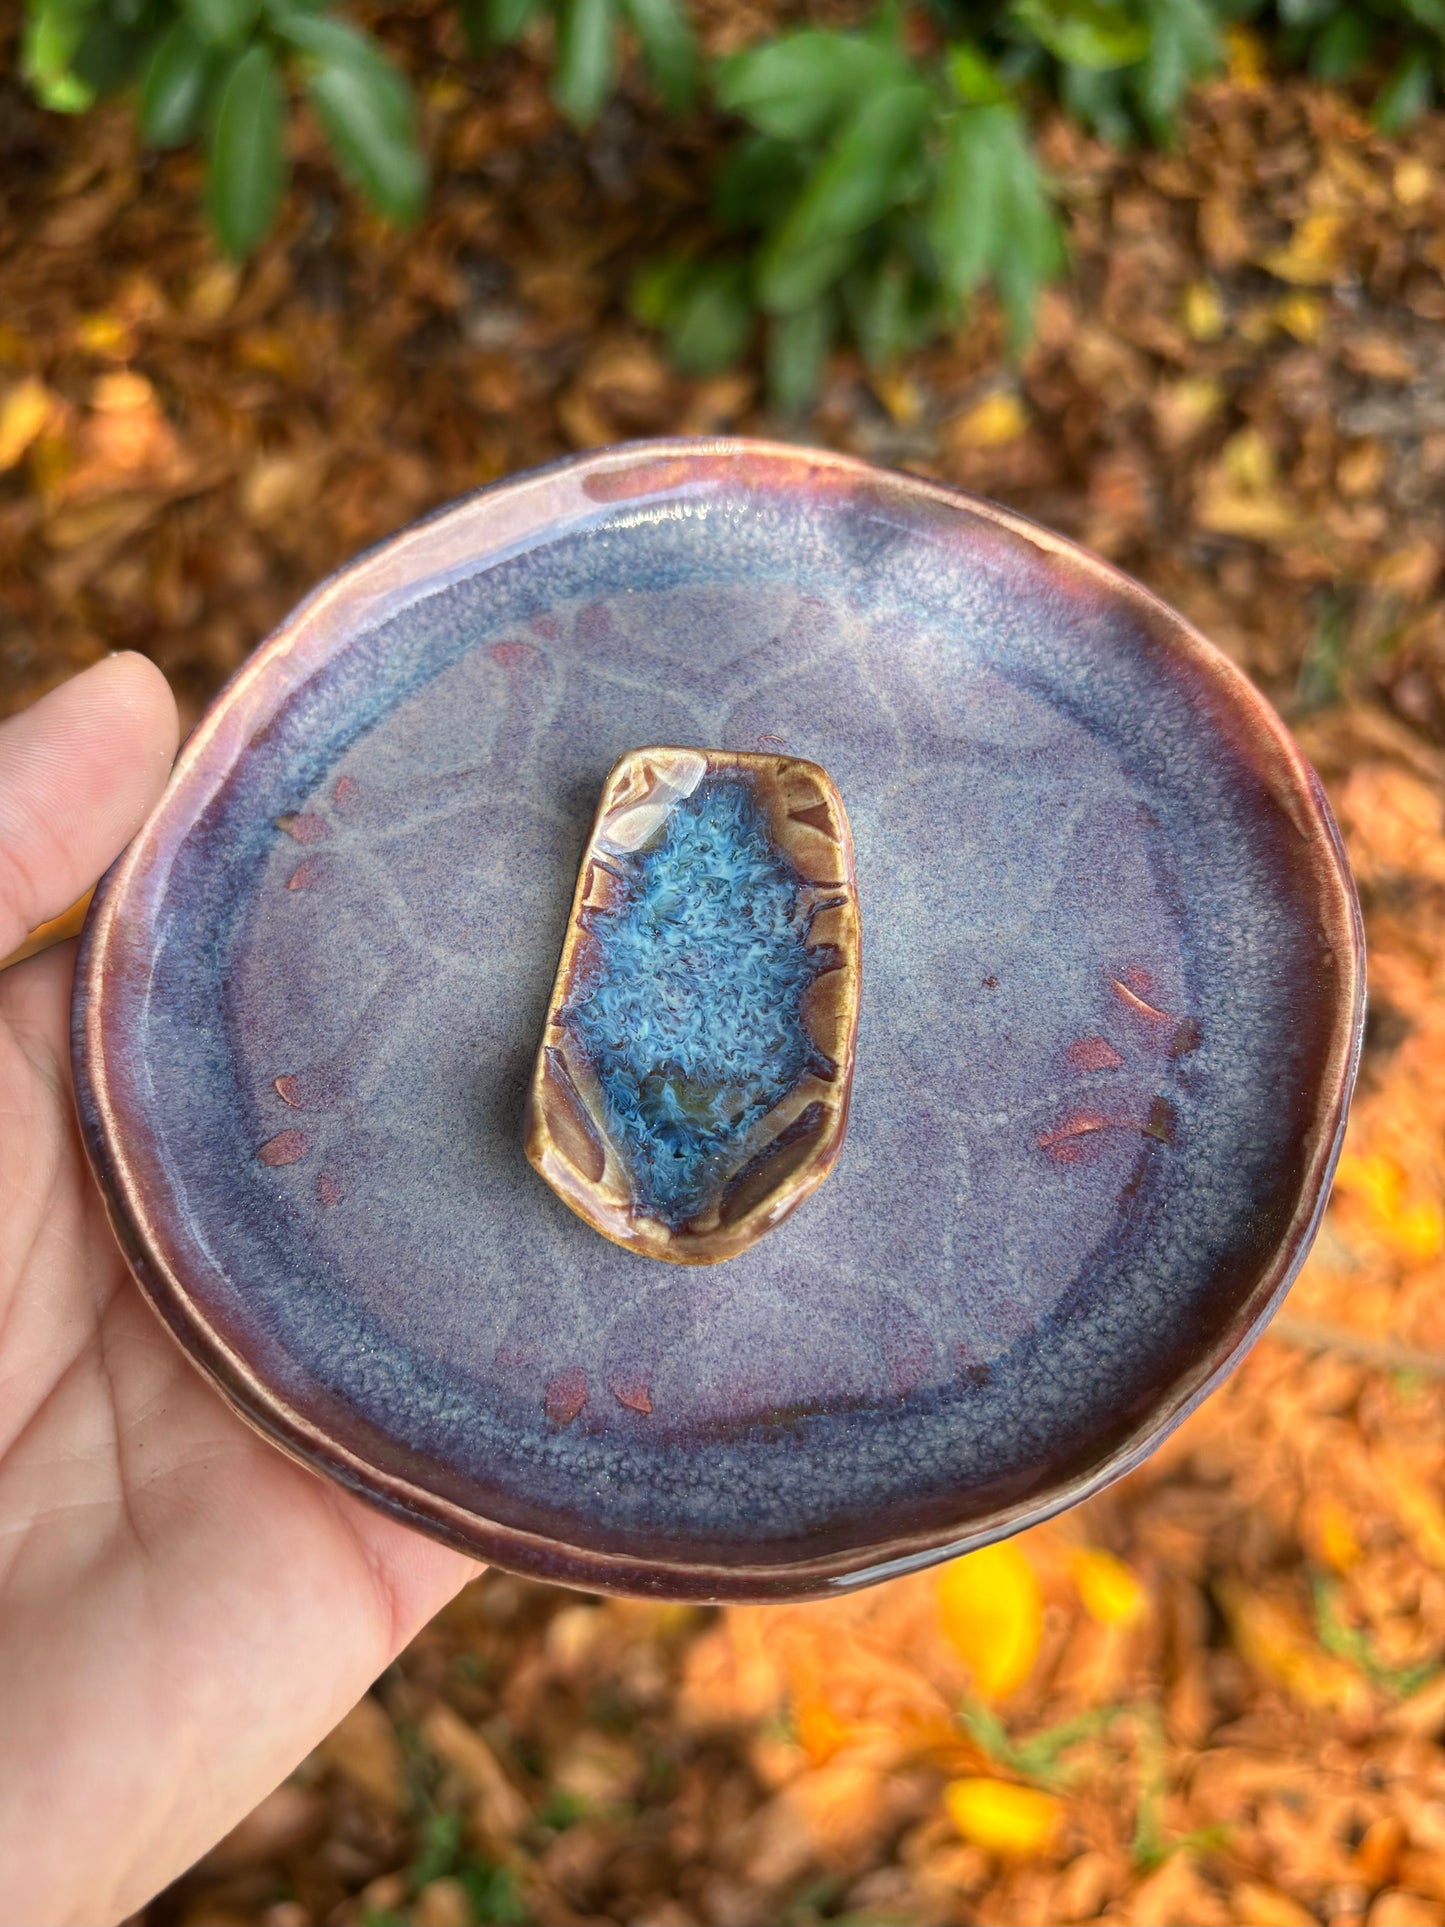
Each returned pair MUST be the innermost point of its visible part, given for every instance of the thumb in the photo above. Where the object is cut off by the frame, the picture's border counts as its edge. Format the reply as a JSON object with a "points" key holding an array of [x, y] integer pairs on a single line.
{"points": [[79, 770]]}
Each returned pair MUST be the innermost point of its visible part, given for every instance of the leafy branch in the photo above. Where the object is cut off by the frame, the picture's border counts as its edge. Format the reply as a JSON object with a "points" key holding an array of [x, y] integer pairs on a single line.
{"points": [[878, 178]]}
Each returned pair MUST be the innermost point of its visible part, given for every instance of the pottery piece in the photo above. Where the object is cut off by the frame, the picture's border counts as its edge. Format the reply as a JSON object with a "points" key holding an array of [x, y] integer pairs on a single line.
{"points": [[1107, 1032], [692, 1084]]}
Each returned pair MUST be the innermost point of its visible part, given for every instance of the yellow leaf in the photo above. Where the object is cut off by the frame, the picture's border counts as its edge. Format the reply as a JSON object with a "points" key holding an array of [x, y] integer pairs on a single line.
{"points": [[1248, 461], [104, 334], [1414, 1226], [23, 414], [992, 1609], [1002, 1818], [1110, 1590], [997, 419], [1203, 312], [1265, 517], [1311, 258], [1301, 315], [1413, 182], [1374, 1177], [1275, 1641], [1244, 55], [902, 397]]}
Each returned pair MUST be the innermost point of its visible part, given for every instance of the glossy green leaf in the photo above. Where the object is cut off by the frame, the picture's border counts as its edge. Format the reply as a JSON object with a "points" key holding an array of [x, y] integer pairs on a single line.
{"points": [[792, 278], [1344, 47], [965, 219], [1407, 94], [111, 52], [1085, 33], [1100, 101], [710, 329], [863, 173], [53, 32], [668, 51], [178, 78], [703, 308], [245, 158], [497, 23], [366, 106], [1429, 13], [888, 309], [798, 347], [586, 68], [223, 23], [658, 287], [1183, 46], [1034, 254], [799, 87], [972, 78], [759, 182]]}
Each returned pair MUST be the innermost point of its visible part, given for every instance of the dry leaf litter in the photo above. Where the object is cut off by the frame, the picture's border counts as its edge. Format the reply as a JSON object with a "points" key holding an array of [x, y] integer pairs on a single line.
{"points": [[1217, 1693]]}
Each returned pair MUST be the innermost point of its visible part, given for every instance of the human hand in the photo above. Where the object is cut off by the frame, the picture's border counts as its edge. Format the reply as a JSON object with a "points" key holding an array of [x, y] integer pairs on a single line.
{"points": [[184, 1612]]}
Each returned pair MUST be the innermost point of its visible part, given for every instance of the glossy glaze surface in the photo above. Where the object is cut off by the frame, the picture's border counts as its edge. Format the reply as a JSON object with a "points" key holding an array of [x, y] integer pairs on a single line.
{"points": [[692, 1084], [1109, 1023]]}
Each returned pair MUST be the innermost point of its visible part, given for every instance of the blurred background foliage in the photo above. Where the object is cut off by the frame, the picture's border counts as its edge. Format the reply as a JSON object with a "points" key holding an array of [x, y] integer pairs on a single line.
{"points": [[876, 176]]}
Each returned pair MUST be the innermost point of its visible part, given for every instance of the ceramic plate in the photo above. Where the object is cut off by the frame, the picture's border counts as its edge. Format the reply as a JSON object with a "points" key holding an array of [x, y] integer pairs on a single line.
{"points": [[1111, 1005]]}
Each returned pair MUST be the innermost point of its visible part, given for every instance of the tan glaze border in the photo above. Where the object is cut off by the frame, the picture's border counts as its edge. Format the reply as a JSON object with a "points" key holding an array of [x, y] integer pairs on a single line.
{"points": [[373, 588]]}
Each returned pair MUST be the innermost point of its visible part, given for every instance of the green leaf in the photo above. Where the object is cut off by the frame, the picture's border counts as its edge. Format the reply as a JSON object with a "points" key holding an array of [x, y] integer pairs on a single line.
{"points": [[178, 79], [224, 23], [789, 280], [245, 159], [1183, 47], [1034, 254], [972, 78], [864, 170], [1100, 101], [110, 53], [1429, 13], [888, 309], [53, 32], [497, 23], [758, 182], [800, 86], [702, 307], [1085, 33], [965, 220], [586, 58], [366, 106], [798, 347], [1407, 94], [668, 51], [1344, 47], [711, 327]]}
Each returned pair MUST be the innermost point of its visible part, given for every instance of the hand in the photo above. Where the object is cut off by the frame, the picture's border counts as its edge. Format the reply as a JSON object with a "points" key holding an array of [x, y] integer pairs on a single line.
{"points": [[184, 1612]]}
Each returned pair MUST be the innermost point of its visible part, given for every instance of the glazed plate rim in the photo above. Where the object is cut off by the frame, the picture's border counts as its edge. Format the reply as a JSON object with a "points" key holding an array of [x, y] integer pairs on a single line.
{"points": [[465, 538]]}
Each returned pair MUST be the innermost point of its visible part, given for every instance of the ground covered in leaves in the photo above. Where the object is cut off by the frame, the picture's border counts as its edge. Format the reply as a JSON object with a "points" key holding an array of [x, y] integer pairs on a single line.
{"points": [[1214, 1695]]}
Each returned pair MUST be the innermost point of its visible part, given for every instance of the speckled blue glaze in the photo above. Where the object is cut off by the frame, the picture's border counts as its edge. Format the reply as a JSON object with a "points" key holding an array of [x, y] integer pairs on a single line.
{"points": [[1110, 1018], [692, 1013]]}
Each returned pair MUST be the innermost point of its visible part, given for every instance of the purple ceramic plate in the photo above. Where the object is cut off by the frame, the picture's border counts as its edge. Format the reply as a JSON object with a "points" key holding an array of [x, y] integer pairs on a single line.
{"points": [[1111, 1015]]}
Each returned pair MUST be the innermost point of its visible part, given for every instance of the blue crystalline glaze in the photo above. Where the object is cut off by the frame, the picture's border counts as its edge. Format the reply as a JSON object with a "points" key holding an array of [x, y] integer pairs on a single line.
{"points": [[691, 1012]]}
